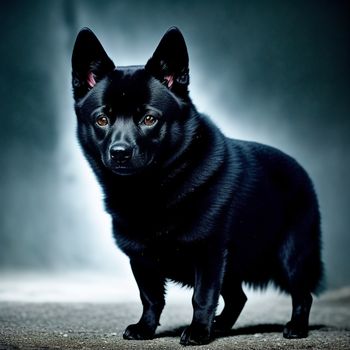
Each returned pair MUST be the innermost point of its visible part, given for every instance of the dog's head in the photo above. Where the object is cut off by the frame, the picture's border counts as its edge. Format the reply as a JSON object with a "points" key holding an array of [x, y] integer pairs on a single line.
{"points": [[131, 118]]}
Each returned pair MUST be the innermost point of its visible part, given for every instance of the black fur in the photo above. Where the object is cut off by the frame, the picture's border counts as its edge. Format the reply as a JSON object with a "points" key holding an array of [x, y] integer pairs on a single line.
{"points": [[187, 203]]}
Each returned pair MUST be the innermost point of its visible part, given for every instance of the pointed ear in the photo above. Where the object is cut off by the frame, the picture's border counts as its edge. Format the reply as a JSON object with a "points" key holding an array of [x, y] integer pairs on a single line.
{"points": [[169, 63], [90, 63]]}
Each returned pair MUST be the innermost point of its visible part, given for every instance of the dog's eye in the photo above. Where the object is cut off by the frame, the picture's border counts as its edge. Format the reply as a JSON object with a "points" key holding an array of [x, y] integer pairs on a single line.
{"points": [[149, 120], [102, 120]]}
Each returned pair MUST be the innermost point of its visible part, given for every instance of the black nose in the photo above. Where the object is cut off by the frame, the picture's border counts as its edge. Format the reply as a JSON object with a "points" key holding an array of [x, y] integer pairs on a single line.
{"points": [[121, 153]]}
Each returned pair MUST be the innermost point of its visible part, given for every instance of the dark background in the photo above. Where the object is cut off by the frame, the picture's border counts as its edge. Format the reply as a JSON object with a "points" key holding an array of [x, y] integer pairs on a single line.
{"points": [[276, 72]]}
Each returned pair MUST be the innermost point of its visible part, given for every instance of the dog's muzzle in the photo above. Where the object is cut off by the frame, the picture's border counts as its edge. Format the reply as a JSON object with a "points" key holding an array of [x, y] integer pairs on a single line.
{"points": [[121, 153]]}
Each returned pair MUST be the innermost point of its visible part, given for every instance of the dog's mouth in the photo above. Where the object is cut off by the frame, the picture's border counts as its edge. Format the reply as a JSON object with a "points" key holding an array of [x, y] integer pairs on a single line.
{"points": [[125, 170], [130, 168]]}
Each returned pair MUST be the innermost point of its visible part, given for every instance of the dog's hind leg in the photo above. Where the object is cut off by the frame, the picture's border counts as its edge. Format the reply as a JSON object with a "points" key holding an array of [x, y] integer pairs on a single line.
{"points": [[235, 300], [298, 326], [301, 269]]}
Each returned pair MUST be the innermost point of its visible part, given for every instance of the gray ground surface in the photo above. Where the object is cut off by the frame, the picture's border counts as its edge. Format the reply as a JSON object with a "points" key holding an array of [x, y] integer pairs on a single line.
{"points": [[100, 326]]}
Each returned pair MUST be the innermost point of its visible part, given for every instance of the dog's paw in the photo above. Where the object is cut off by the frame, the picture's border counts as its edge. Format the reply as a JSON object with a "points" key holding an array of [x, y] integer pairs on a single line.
{"points": [[294, 330], [138, 332], [195, 336]]}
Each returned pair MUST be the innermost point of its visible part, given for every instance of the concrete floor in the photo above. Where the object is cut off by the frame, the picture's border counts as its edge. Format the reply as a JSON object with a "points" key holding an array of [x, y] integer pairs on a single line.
{"points": [[99, 325]]}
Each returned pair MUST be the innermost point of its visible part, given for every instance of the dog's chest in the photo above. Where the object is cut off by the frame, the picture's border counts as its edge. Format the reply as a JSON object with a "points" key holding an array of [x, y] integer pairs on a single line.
{"points": [[173, 260]]}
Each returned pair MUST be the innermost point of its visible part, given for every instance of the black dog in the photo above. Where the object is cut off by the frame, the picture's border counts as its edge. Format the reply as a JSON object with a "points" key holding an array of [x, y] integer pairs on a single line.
{"points": [[187, 203]]}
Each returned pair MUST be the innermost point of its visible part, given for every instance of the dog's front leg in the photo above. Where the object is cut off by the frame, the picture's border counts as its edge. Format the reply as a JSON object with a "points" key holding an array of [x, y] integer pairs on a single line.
{"points": [[209, 272], [151, 286]]}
